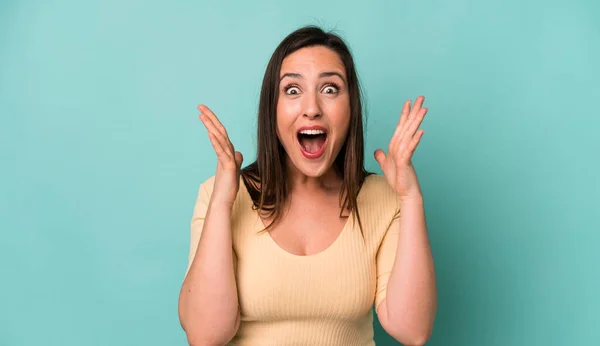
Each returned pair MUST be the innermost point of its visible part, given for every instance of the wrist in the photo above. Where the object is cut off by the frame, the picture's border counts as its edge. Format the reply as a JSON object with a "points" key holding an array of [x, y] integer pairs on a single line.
{"points": [[416, 198], [221, 206]]}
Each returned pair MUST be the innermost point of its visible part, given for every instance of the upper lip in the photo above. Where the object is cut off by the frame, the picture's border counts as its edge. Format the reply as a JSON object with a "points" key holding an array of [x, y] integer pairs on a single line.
{"points": [[312, 127]]}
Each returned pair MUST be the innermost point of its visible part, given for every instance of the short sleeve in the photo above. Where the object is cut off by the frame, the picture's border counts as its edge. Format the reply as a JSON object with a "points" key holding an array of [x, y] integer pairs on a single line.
{"points": [[386, 256], [197, 222]]}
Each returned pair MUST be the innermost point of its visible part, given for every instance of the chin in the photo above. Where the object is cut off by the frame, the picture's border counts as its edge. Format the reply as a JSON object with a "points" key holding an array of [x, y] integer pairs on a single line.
{"points": [[312, 169]]}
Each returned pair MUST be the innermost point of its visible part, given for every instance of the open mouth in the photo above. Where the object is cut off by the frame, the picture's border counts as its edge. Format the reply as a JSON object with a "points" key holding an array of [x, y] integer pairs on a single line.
{"points": [[312, 141]]}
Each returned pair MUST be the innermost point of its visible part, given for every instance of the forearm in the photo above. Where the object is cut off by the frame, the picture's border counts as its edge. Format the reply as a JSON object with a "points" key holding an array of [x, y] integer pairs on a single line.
{"points": [[208, 304], [411, 298]]}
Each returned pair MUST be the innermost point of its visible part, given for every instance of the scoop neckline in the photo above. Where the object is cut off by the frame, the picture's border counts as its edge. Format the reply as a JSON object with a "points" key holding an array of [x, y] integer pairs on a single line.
{"points": [[260, 225], [321, 253]]}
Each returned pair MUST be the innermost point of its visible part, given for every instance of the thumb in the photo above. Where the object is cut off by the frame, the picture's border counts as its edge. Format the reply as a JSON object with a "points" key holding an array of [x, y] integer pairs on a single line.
{"points": [[379, 157], [239, 158]]}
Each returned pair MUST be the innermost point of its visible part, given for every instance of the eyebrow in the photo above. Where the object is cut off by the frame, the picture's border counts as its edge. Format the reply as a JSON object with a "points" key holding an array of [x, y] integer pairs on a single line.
{"points": [[322, 75]]}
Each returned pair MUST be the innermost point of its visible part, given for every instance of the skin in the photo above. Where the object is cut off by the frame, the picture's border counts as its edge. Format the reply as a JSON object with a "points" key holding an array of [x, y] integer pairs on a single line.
{"points": [[208, 301], [313, 91], [209, 290], [408, 311]]}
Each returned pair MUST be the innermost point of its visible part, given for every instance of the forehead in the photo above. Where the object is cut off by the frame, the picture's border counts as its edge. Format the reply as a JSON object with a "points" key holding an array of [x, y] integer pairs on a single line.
{"points": [[312, 60]]}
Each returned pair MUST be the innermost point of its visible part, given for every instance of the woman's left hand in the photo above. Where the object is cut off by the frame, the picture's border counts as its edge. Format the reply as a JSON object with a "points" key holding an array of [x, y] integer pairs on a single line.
{"points": [[396, 165]]}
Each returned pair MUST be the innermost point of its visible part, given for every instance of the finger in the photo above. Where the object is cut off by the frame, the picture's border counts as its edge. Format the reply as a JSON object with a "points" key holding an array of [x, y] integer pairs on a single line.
{"points": [[210, 126], [238, 159], [379, 157], [218, 125], [222, 154], [400, 127], [407, 115], [415, 141], [405, 112], [212, 130], [413, 125], [213, 118], [417, 107], [407, 153]]}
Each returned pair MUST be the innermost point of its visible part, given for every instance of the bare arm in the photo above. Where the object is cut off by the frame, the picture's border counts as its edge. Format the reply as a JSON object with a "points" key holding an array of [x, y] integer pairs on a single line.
{"points": [[409, 309], [208, 301], [407, 312]]}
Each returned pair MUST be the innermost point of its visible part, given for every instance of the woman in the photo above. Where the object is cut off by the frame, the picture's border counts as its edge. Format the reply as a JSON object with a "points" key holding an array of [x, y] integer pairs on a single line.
{"points": [[297, 247]]}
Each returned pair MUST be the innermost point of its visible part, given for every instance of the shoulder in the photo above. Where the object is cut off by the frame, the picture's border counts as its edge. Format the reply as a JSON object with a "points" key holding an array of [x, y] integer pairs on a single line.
{"points": [[206, 186], [376, 187], [378, 206], [377, 195], [375, 181]]}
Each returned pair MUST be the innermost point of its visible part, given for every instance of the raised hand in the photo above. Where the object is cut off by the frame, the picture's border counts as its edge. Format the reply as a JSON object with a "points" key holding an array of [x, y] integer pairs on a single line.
{"points": [[227, 177], [396, 165]]}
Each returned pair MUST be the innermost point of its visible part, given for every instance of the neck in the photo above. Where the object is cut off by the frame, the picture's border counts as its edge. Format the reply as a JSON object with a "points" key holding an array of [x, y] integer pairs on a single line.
{"points": [[330, 181]]}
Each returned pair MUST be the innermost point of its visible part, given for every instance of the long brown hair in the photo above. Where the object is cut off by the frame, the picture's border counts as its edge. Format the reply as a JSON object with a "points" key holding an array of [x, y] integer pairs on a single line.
{"points": [[265, 178]]}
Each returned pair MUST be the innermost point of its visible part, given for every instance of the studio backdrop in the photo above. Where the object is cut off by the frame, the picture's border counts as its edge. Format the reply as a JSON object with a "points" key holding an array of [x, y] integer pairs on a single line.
{"points": [[102, 154]]}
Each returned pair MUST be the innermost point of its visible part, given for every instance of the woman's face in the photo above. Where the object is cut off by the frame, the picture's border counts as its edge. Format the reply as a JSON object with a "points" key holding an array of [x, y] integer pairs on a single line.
{"points": [[313, 108]]}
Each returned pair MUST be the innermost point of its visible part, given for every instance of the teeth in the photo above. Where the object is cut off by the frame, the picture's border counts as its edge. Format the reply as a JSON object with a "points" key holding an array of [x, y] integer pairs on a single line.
{"points": [[312, 132]]}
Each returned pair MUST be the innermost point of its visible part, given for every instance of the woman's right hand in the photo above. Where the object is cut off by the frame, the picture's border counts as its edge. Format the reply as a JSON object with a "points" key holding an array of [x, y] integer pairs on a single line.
{"points": [[227, 177]]}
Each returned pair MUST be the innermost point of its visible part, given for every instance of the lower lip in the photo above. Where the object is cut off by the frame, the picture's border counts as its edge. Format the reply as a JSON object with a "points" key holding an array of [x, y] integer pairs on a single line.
{"points": [[317, 154]]}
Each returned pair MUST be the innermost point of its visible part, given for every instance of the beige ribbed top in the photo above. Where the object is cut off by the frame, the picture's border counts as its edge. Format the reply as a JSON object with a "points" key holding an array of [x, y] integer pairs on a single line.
{"points": [[320, 299]]}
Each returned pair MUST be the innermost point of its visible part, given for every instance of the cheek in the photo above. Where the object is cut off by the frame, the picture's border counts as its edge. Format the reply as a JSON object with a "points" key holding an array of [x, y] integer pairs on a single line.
{"points": [[341, 120], [343, 132], [286, 113], [285, 121]]}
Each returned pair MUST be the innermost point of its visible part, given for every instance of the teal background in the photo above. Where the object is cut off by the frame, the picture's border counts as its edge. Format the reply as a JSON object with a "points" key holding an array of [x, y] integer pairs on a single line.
{"points": [[102, 154]]}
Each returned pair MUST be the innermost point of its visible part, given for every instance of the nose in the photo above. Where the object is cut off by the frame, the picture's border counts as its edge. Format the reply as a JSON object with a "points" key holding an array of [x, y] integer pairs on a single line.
{"points": [[312, 109]]}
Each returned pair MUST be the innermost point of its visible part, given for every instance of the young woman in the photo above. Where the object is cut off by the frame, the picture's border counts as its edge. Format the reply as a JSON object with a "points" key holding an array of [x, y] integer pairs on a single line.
{"points": [[297, 247]]}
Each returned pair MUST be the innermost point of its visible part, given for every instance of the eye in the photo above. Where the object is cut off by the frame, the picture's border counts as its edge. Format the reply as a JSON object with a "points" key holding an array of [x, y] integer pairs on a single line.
{"points": [[331, 89], [292, 90]]}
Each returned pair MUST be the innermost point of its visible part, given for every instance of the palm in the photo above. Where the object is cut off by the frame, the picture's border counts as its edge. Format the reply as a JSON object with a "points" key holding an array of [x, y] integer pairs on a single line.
{"points": [[396, 165], [398, 179], [229, 160]]}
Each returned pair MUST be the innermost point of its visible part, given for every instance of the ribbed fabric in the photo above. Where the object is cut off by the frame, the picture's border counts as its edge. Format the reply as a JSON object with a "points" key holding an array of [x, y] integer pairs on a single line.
{"points": [[321, 299]]}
